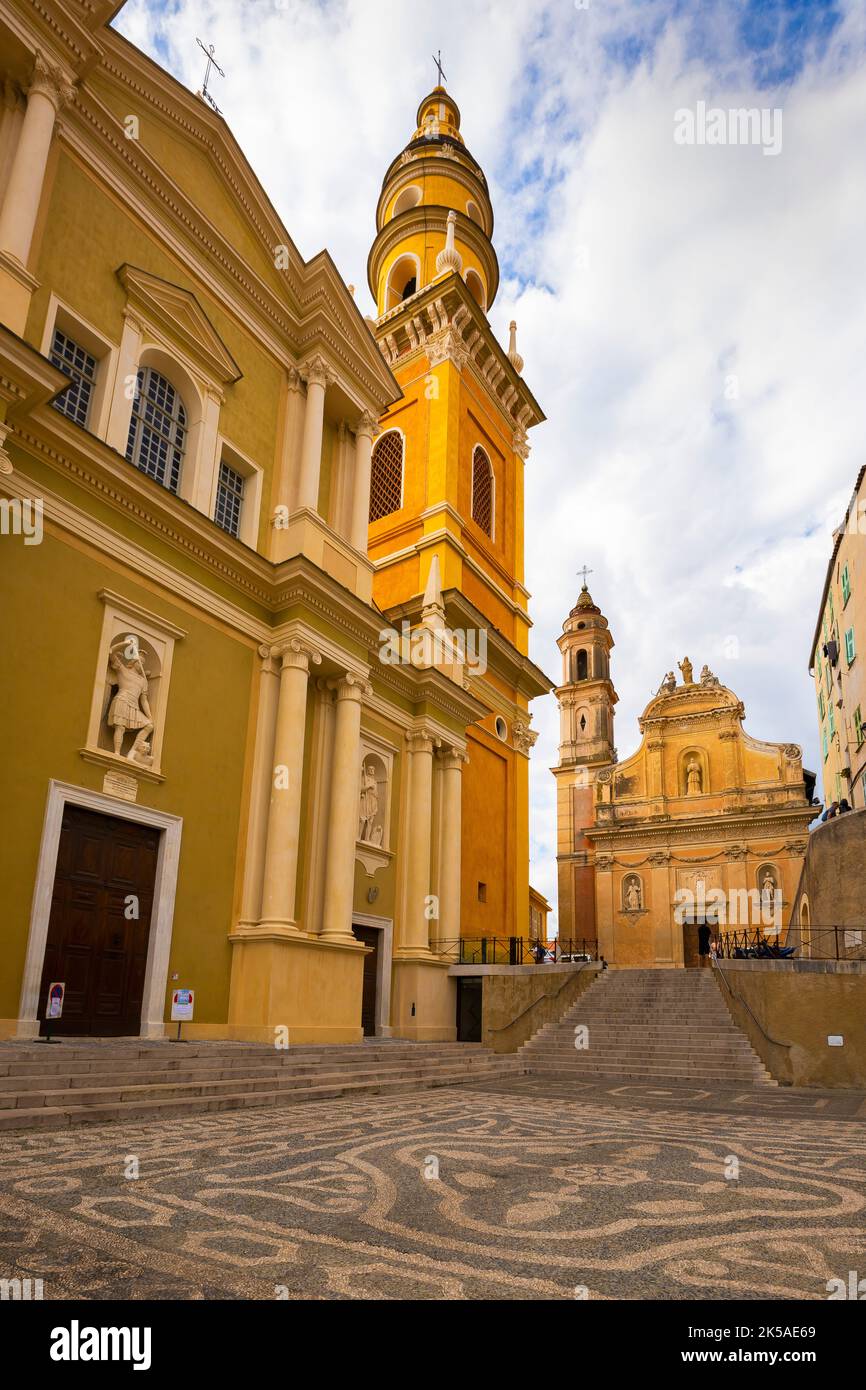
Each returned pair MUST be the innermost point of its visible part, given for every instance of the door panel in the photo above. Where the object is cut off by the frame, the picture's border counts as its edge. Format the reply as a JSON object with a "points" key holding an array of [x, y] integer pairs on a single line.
{"points": [[105, 867]]}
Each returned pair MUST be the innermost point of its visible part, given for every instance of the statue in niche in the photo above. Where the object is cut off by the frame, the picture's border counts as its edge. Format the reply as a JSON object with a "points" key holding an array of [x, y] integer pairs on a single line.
{"points": [[694, 778], [768, 892], [369, 832], [686, 667], [130, 708], [633, 898], [668, 685], [707, 676]]}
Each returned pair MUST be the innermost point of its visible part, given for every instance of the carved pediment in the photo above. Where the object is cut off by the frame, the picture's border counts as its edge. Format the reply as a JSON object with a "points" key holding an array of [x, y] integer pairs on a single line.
{"points": [[178, 314]]}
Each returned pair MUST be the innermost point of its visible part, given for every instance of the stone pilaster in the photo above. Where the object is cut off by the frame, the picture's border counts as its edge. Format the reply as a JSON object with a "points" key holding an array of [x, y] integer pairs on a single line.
{"points": [[284, 813], [343, 816]]}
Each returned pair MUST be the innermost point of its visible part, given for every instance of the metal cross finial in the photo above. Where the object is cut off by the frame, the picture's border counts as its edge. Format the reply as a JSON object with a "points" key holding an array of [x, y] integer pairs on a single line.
{"points": [[585, 572], [211, 62], [438, 61]]}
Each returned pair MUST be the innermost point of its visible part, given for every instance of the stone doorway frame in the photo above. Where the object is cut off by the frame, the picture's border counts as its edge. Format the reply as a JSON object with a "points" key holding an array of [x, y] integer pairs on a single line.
{"points": [[60, 795], [383, 968]]}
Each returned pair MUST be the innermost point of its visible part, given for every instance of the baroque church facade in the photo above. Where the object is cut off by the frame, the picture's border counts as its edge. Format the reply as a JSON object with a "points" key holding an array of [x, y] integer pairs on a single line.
{"points": [[702, 826], [266, 625]]}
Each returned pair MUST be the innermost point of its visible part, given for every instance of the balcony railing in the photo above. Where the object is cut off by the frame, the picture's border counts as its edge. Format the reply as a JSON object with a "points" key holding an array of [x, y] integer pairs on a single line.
{"points": [[518, 950]]}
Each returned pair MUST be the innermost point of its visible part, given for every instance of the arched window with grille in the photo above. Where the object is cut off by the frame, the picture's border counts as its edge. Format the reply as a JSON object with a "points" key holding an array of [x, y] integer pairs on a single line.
{"points": [[158, 429], [386, 478], [482, 491]]}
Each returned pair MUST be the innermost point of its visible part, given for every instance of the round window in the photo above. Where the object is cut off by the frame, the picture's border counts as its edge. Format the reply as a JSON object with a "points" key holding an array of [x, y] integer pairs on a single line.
{"points": [[501, 728]]}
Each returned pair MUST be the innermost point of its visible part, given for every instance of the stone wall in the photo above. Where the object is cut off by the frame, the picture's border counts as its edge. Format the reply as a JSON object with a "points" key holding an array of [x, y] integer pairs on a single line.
{"points": [[832, 893], [789, 1009], [518, 1000]]}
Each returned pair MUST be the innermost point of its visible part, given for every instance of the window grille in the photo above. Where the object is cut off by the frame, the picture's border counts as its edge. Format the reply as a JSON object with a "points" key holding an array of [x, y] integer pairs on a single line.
{"points": [[76, 362], [229, 499], [386, 479], [482, 491], [157, 430]]}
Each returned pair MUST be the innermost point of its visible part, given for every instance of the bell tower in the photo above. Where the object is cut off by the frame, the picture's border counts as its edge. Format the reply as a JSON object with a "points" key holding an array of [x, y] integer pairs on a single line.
{"points": [[447, 485], [586, 705], [586, 696]]}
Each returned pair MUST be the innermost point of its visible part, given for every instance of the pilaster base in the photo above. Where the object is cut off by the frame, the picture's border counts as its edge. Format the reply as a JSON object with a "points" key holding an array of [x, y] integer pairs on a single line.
{"points": [[424, 1000], [309, 987]]}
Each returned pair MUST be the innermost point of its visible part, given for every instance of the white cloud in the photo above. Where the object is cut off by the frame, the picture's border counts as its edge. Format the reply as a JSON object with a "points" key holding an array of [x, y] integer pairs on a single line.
{"points": [[692, 319]]}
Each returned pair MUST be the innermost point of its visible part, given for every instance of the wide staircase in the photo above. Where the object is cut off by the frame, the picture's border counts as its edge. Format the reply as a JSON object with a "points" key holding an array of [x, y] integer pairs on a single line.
{"points": [[668, 1027], [79, 1082]]}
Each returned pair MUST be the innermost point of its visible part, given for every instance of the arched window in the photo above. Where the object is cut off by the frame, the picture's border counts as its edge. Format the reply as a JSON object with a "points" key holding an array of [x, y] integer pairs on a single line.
{"points": [[475, 285], [408, 199], [402, 280], [582, 665], [482, 491], [386, 477], [158, 429]]}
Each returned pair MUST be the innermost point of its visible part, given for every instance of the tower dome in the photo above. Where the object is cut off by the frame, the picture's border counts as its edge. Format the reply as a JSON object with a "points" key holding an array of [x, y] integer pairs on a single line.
{"points": [[434, 216]]}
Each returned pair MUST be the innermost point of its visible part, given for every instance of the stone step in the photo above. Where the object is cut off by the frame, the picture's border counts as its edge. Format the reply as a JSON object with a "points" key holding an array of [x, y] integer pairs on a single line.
{"points": [[106, 1055], [184, 1100], [141, 1090], [752, 1074], [730, 1053], [218, 1071]]}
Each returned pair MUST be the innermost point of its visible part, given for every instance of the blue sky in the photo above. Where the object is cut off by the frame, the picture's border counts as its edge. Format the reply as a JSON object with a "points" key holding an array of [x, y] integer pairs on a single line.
{"points": [[691, 317]]}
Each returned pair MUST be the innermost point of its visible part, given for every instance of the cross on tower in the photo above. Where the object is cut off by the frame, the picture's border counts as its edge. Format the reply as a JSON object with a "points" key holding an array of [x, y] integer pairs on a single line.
{"points": [[584, 572], [211, 62], [438, 61]]}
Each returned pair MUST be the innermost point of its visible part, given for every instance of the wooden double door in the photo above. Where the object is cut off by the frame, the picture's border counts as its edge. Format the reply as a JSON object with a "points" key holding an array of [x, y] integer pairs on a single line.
{"points": [[370, 937], [99, 926]]}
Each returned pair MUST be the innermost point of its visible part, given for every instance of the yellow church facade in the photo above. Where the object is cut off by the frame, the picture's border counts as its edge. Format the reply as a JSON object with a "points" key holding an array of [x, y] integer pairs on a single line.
{"points": [[226, 776], [448, 478], [702, 827]]}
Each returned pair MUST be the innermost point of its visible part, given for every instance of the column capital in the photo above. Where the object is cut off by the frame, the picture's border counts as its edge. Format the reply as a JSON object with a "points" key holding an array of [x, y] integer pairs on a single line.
{"points": [[353, 687], [50, 81], [6, 465], [295, 380], [367, 425], [269, 657], [316, 371], [453, 759], [298, 656], [421, 741]]}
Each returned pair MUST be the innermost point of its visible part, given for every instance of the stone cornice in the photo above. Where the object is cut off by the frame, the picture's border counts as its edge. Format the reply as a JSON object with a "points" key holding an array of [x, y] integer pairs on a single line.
{"points": [[448, 304], [316, 308], [733, 828]]}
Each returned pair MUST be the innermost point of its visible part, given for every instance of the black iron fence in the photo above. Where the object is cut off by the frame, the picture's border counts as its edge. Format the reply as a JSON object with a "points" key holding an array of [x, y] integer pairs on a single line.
{"points": [[518, 950], [797, 942]]}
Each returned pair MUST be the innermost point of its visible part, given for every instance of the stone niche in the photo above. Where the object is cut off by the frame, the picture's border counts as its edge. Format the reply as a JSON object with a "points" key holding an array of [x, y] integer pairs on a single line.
{"points": [[130, 690], [376, 775]]}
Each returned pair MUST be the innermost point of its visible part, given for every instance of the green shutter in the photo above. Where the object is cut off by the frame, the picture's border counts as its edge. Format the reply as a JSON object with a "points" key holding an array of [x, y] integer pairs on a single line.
{"points": [[849, 645], [846, 584], [826, 747]]}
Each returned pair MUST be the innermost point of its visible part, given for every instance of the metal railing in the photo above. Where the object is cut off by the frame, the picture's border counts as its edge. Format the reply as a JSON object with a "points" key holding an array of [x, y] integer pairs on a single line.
{"points": [[517, 950], [828, 943], [803, 943]]}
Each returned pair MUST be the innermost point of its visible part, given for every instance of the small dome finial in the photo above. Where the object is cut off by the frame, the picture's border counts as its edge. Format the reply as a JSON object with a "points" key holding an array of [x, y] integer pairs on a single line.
{"points": [[513, 355], [450, 258]]}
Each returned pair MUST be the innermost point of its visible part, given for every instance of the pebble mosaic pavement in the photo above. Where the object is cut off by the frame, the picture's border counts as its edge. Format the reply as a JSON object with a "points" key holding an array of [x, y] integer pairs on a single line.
{"points": [[544, 1188]]}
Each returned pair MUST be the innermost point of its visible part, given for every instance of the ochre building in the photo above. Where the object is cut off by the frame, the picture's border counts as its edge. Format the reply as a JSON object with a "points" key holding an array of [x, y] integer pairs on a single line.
{"points": [[224, 776], [703, 825], [840, 633]]}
